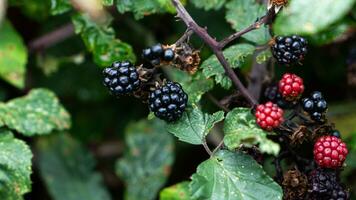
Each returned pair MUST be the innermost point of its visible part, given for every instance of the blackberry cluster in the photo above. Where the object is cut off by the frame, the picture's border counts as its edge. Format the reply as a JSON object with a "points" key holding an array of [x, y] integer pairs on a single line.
{"points": [[324, 184], [121, 78], [168, 102], [157, 53], [272, 94], [315, 106], [290, 49]]}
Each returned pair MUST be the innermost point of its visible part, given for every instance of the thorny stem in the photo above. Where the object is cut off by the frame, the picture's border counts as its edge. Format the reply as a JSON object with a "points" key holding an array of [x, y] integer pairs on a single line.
{"points": [[215, 47], [218, 147], [263, 20]]}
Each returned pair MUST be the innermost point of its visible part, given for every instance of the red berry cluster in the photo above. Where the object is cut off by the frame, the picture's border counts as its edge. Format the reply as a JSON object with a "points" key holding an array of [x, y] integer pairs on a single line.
{"points": [[269, 116], [291, 86], [330, 152]]}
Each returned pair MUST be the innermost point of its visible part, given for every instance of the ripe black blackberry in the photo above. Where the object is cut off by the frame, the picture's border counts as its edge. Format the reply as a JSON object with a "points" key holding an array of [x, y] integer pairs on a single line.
{"points": [[272, 94], [325, 184], [168, 102], [289, 49], [121, 78], [315, 106], [158, 53]]}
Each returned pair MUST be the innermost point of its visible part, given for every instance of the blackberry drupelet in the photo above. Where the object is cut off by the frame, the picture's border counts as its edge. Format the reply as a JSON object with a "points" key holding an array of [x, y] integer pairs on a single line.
{"points": [[289, 49], [168, 102], [315, 106], [121, 78]]}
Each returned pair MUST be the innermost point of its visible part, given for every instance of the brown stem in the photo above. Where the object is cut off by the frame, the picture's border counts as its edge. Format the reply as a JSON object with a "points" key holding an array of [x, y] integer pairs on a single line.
{"points": [[215, 47], [263, 20], [51, 38]]}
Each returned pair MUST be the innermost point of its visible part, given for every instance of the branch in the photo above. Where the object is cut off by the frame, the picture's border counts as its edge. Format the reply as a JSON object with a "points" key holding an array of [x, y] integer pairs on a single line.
{"points": [[217, 103], [51, 38], [215, 47], [263, 20]]}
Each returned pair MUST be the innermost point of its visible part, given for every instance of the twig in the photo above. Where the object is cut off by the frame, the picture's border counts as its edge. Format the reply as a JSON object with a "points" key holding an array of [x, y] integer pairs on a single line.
{"points": [[215, 47], [206, 147], [51, 38], [263, 20], [218, 147], [217, 103], [184, 37]]}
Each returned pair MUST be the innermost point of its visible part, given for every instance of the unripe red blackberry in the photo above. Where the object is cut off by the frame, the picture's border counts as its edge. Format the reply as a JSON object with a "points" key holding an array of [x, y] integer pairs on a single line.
{"points": [[291, 86], [168, 102], [330, 152], [269, 116], [289, 49], [121, 78]]}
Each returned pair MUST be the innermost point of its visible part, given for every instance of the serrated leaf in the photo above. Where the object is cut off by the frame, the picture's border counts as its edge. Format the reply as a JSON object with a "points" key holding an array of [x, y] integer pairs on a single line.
{"points": [[235, 55], [60, 6], [194, 85], [67, 168], [100, 40], [208, 4], [242, 13], [307, 17], [263, 56], [37, 113], [15, 167], [178, 191], [240, 128], [233, 175], [194, 125], [142, 8], [147, 160], [13, 56]]}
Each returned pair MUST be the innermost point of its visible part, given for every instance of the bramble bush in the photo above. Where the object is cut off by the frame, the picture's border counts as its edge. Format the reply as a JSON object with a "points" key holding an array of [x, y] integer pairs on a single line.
{"points": [[177, 100]]}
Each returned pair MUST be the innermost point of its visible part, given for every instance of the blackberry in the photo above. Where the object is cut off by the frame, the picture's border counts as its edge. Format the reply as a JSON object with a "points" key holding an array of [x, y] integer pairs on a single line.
{"points": [[324, 184], [156, 53], [168, 102], [272, 94], [289, 49], [121, 78], [315, 106]]}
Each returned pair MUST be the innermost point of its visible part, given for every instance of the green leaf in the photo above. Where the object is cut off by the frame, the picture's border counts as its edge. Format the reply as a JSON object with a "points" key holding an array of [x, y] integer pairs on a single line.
{"points": [[194, 125], [100, 40], [208, 4], [15, 167], [194, 85], [147, 160], [13, 56], [142, 8], [60, 6], [307, 17], [233, 175], [330, 34], [67, 168], [108, 2], [263, 56], [240, 128], [242, 13], [236, 56], [39, 112], [178, 191]]}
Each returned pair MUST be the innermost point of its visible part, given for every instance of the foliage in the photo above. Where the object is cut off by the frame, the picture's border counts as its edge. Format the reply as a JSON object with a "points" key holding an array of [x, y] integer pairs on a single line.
{"points": [[48, 90]]}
